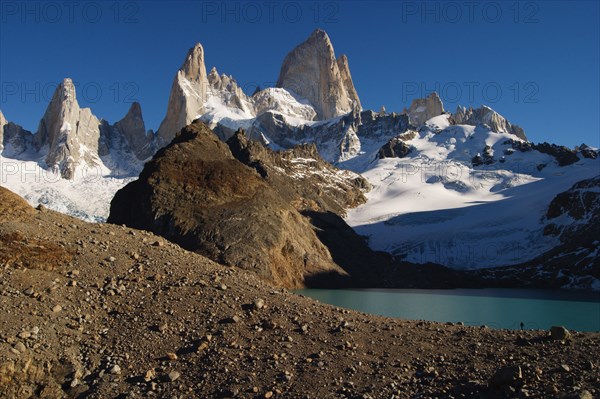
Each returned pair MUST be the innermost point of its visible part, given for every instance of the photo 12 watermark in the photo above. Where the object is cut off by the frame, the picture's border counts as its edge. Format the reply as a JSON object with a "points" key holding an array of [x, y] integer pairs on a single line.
{"points": [[470, 12], [468, 92], [88, 92], [270, 12], [70, 12]]}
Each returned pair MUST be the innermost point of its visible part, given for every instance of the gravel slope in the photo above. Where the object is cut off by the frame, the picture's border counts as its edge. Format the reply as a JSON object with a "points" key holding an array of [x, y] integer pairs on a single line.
{"points": [[102, 311]]}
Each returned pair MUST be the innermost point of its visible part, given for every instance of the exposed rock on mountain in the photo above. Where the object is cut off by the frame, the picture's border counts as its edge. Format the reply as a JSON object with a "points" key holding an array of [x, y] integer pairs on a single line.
{"points": [[301, 176], [337, 140], [423, 109], [3, 122], [283, 102], [344, 67], [487, 116], [312, 72], [132, 127], [68, 135], [564, 156], [194, 192], [14, 140], [188, 94], [397, 147], [227, 93], [588, 152]]}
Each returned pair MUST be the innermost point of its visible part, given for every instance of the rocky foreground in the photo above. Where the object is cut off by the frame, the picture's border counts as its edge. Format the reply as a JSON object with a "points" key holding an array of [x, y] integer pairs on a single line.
{"points": [[103, 311]]}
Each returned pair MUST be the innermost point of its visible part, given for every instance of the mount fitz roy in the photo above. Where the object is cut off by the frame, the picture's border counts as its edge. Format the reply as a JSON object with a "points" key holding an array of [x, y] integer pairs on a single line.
{"points": [[464, 189]]}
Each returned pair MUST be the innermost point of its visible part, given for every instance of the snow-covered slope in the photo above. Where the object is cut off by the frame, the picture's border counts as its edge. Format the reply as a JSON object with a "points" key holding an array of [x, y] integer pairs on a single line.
{"points": [[86, 196], [434, 205]]}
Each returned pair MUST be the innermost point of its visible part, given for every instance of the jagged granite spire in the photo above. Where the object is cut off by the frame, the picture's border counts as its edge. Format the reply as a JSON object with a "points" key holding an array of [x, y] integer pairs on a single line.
{"points": [[133, 128], [486, 115], [188, 94], [422, 109], [69, 134], [312, 72], [3, 122]]}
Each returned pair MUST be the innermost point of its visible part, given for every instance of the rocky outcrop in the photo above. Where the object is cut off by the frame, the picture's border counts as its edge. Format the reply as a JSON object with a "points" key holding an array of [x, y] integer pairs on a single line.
{"points": [[336, 140], [423, 109], [14, 140], [486, 116], [188, 95], [396, 147], [195, 193], [311, 71], [67, 134], [301, 176], [283, 102], [564, 156], [344, 67], [133, 129], [228, 92], [3, 122], [587, 151]]}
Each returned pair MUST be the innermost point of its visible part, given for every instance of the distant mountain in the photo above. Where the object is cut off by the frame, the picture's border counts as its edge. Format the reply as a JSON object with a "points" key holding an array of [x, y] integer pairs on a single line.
{"points": [[465, 190], [70, 138]]}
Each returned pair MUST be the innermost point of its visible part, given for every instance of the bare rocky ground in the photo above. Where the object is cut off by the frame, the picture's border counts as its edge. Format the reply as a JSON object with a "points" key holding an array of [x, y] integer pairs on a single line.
{"points": [[103, 311]]}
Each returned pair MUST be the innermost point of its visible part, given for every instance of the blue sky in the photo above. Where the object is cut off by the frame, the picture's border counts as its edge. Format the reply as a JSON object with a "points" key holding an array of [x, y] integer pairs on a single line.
{"points": [[535, 62]]}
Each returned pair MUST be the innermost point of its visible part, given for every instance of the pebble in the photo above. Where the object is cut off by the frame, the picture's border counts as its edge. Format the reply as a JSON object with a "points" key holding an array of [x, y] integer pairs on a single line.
{"points": [[24, 334], [20, 346], [173, 376], [111, 259], [559, 333], [259, 303], [150, 375], [172, 356], [115, 370], [57, 308]]}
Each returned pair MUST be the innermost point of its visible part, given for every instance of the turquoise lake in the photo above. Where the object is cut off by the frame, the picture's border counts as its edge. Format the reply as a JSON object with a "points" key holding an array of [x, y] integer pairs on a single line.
{"points": [[495, 308]]}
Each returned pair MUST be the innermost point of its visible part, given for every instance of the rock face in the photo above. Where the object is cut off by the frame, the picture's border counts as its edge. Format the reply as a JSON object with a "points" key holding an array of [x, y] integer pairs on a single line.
{"points": [[228, 92], [14, 140], [564, 156], [311, 71], [133, 129], [69, 135], [282, 101], [396, 147], [301, 176], [3, 122], [337, 140], [188, 94], [194, 192], [487, 116], [422, 109]]}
